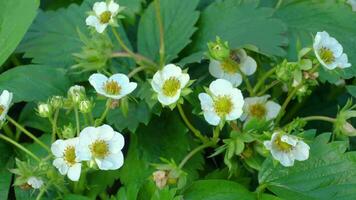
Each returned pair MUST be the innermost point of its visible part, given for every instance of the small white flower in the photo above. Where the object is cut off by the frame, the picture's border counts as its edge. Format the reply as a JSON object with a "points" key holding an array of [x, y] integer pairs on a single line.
{"points": [[168, 83], [104, 14], [352, 4], [224, 103], [67, 161], [114, 87], [260, 107], [229, 70], [287, 148], [103, 145], [5, 102], [329, 51], [34, 182]]}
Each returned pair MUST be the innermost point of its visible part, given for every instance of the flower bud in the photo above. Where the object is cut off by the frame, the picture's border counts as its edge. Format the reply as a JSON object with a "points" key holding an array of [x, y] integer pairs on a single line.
{"points": [[44, 110], [85, 106], [348, 129], [76, 93], [219, 50], [56, 102], [160, 178], [68, 131]]}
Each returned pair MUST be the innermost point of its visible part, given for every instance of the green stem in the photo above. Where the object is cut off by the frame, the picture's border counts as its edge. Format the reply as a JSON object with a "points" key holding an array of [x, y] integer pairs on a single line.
{"points": [[260, 189], [8, 130], [161, 32], [247, 83], [261, 81], [91, 118], [28, 133], [136, 70], [7, 139], [195, 131], [39, 196], [193, 152], [76, 113], [216, 133], [105, 113], [286, 102], [319, 118], [279, 3], [271, 85], [54, 125]]}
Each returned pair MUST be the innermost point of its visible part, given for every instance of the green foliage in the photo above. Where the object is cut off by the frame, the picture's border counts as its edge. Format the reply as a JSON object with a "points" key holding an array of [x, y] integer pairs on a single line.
{"points": [[7, 162], [334, 17], [23, 81], [15, 18], [352, 90], [329, 173], [178, 19], [243, 24]]}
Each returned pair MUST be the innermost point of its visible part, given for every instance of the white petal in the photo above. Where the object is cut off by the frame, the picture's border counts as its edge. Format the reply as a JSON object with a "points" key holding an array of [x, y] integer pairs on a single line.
{"points": [[113, 7], [111, 162], [343, 61], [100, 28], [212, 118], [220, 87], [57, 148], [5, 98], [97, 81], [164, 100], [99, 8], [92, 20], [157, 81], [301, 151], [183, 79], [61, 165], [121, 79], [171, 70], [215, 69], [248, 66], [106, 132], [286, 159], [234, 114], [268, 144], [273, 109], [128, 88], [206, 102], [74, 172], [289, 139], [117, 142], [234, 79], [34, 182]]}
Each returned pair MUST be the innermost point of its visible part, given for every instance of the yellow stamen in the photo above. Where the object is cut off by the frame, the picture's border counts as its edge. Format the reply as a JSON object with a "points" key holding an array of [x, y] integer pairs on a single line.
{"points": [[229, 66], [282, 146], [326, 55], [257, 110], [171, 86], [2, 109], [112, 87], [69, 155], [223, 105], [99, 149], [105, 17]]}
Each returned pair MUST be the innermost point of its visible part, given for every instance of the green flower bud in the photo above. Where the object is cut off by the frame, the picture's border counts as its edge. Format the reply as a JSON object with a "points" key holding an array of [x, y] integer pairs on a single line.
{"points": [[85, 106], [44, 110], [219, 50], [342, 126], [76, 93], [56, 102], [68, 131]]}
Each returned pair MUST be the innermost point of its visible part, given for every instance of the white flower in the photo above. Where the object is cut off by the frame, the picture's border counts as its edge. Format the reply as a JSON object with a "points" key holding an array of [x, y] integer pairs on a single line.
{"points": [[168, 83], [352, 4], [229, 70], [114, 87], [34, 182], [224, 103], [104, 14], [287, 148], [5, 102], [67, 161], [329, 51], [103, 145], [260, 107]]}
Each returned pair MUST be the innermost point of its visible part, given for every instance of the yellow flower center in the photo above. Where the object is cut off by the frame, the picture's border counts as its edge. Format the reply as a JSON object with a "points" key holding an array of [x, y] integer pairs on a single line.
{"points": [[257, 110], [112, 87], [171, 86], [69, 155], [282, 146], [229, 66], [326, 55], [223, 105], [99, 149], [2, 109], [105, 17]]}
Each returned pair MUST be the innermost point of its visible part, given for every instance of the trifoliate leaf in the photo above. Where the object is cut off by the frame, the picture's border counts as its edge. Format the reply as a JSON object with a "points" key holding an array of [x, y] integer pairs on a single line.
{"points": [[34, 82], [241, 23], [178, 19], [15, 18], [334, 17], [329, 173]]}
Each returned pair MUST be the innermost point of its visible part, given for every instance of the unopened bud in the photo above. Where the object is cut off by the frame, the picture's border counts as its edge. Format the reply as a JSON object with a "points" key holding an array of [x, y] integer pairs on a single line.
{"points": [[44, 110], [68, 131], [56, 102], [160, 178], [219, 50], [76, 93], [85, 106], [348, 129]]}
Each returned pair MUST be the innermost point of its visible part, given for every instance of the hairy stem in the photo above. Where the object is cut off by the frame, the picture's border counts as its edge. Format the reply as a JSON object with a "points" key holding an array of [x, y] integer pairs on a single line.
{"points": [[77, 122], [193, 152]]}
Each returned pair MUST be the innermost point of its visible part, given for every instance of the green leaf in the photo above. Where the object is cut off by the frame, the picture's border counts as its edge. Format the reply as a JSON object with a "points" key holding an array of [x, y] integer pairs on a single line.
{"points": [[335, 18], [15, 18], [352, 90], [53, 37], [329, 173], [217, 189], [34, 82], [241, 23], [178, 18], [75, 197], [7, 163]]}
